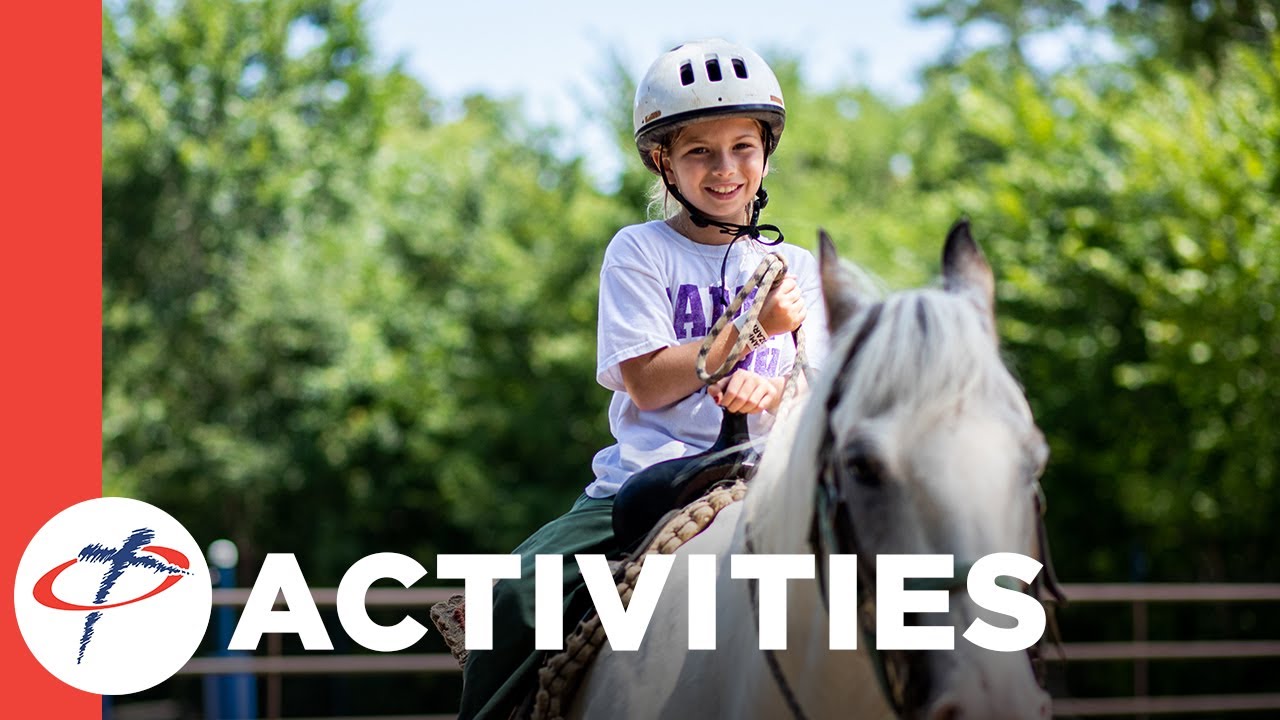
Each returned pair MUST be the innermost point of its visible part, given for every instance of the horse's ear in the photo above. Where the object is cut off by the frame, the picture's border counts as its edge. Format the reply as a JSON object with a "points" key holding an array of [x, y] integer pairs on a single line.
{"points": [[839, 290], [965, 269]]}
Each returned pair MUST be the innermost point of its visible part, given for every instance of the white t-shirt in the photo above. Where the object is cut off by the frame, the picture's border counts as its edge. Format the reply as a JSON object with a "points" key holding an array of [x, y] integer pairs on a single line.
{"points": [[660, 289]]}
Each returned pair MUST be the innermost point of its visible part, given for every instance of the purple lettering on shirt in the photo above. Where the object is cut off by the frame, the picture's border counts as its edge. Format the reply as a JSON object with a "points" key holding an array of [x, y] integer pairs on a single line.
{"points": [[688, 309], [719, 301], [767, 361]]}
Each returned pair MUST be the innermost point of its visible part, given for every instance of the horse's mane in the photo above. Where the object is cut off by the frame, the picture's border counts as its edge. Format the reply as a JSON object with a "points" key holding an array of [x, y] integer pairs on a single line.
{"points": [[929, 349]]}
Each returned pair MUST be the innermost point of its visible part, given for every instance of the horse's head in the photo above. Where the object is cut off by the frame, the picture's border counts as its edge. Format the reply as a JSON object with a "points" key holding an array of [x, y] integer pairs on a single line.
{"points": [[928, 446]]}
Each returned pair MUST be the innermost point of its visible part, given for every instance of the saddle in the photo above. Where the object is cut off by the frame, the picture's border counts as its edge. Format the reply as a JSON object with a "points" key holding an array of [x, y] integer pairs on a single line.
{"points": [[661, 508], [561, 674], [652, 494]]}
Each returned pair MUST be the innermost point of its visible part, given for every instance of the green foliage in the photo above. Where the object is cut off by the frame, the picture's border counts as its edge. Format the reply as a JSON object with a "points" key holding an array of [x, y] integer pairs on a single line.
{"points": [[1187, 33], [1132, 221], [1193, 33], [333, 323], [233, 133], [1014, 20], [335, 320]]}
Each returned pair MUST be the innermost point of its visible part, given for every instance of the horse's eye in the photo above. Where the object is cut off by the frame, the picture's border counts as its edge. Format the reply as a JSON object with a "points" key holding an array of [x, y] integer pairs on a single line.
{"points": [[863, 469]]}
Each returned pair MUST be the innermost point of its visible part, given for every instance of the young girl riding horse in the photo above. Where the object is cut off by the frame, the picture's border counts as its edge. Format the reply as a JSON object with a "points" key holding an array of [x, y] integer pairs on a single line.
{"points": [[708, 116]]}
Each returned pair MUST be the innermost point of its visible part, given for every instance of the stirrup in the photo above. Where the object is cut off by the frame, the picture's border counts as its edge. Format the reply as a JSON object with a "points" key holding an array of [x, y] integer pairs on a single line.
{"points": [[450, 618]]}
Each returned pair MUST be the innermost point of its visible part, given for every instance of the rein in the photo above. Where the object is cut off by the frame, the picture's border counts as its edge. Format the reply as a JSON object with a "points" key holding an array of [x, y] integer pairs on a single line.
{"points": [[768, 273], [771, 658]]}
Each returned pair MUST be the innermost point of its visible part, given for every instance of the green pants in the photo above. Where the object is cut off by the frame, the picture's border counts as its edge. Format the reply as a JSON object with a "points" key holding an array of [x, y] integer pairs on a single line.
{"points": [[496, 681]]}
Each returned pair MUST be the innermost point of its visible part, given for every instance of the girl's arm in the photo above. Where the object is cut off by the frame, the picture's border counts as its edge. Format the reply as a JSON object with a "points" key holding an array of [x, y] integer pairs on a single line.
{"points": [[659, 378], [664, 376]]}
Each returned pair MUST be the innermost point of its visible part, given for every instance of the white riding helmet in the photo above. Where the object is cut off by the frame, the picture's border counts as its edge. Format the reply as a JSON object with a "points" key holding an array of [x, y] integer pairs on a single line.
{"points": [[698, 80]]}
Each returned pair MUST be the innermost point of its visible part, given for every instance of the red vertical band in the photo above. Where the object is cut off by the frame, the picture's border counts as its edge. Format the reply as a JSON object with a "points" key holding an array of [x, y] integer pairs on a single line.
{"points": [[50, 302]]}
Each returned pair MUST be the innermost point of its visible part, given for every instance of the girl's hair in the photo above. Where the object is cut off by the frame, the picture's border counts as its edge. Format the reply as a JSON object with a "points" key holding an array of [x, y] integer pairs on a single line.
{"points": [[661, 205]]}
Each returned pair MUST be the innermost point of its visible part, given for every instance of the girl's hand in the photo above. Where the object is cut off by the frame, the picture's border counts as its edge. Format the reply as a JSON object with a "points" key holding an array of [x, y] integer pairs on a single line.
{"points": [[783, 309], [746, 392]]}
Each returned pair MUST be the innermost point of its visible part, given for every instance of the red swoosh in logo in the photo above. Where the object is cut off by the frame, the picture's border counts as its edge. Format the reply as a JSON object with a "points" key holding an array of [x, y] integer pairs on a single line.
{"points": [[43, 591]]}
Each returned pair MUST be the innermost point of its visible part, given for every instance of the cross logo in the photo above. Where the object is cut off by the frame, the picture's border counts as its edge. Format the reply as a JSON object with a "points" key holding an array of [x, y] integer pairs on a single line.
{"points": [[63, 594], [117, 561]]}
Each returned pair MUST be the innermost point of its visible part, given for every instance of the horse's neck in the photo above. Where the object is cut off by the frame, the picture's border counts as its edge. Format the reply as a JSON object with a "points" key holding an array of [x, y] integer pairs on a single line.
{"points": [[824, 682], [777, 519], [780, 504]]}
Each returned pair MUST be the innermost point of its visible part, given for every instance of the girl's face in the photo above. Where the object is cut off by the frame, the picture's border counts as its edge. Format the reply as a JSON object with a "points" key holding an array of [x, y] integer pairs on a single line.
{"points": [[717, 165]]}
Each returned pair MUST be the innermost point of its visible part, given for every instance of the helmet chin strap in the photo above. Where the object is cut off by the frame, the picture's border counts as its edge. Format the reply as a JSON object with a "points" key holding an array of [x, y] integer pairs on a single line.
{"points": [[735, 230], [751, 229]]}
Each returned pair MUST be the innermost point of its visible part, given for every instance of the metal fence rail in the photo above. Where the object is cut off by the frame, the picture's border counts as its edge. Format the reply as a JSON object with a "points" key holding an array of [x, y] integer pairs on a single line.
{"points": [[1140, 651], [1180, 705]]}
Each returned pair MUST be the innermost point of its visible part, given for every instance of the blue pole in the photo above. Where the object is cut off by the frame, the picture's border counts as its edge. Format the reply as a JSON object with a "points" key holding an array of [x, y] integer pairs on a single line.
{"points": [[235, 696]]}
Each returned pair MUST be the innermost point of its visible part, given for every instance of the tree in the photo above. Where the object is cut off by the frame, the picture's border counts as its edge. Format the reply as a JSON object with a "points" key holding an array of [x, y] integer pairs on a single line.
{"points": [[218, 120], [1186, 33], [1194, 32], [1136, 297], [334, 321], [1015, 22]]}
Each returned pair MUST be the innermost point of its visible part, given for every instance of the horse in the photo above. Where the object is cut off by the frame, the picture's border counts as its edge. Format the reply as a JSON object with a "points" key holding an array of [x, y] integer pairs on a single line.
{"points": [[914, 438]]}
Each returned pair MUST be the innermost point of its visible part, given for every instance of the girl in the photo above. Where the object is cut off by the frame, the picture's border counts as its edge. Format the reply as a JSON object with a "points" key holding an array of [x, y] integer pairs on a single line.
{"points": [[707, 117]]}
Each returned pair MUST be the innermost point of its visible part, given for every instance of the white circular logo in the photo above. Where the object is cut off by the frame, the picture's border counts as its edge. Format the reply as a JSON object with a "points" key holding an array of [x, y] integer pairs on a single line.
{"points": [[113, 596]]}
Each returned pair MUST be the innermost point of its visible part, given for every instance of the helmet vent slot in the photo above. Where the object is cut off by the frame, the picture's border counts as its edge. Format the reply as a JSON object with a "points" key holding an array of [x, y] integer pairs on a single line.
{"points": [[713, 70], [686, 74], [740, 68]]}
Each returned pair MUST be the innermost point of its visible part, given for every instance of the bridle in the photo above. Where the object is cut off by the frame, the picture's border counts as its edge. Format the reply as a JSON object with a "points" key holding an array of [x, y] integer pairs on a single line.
{"points": [[832, 531]]}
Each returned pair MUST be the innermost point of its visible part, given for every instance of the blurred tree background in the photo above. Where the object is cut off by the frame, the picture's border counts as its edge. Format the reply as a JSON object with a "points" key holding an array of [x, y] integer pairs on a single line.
{"points": [[338, 320]]}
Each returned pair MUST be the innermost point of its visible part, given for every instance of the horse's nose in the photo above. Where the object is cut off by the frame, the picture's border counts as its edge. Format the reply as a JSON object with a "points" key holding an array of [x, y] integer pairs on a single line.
{"points": [[954, 706], [947, 709]]}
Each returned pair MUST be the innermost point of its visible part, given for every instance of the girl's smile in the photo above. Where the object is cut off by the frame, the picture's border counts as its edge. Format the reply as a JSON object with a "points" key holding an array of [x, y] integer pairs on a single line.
{"points": [[724, 192]]}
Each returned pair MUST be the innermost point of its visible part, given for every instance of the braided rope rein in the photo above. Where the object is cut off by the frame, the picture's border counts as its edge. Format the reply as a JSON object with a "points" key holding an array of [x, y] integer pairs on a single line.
{"points": [[770, 272], [561, 675]]}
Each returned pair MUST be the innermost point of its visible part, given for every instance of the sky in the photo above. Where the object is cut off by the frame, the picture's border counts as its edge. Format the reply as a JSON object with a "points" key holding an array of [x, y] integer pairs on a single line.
{"points": [[551, 54]]}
